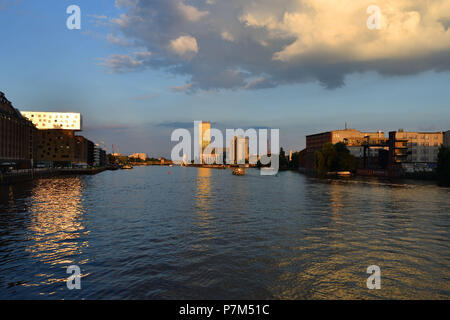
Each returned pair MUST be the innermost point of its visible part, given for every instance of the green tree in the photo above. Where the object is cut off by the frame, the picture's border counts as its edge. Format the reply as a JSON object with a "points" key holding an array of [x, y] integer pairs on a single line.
{"points": [[345, 160], [333, 158], [443, 165], [319, 164]]}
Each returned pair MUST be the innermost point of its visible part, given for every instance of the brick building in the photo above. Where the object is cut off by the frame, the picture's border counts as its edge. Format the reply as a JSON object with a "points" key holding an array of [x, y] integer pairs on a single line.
{"points": [[350, 137], [17, 137], [57, 143]]}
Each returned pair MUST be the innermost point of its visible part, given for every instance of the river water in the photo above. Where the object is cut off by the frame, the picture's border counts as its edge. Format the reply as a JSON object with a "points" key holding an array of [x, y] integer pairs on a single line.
{"points": [[190, 233]]}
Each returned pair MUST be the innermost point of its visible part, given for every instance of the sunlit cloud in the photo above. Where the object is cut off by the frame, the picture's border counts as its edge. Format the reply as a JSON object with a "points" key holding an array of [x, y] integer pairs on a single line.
{"points": [[184, 46], [256, 44]]}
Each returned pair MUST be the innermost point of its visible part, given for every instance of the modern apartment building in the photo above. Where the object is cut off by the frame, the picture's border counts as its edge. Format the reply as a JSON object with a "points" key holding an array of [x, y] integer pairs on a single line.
{"points": [[414, 151], [57, 143], [99, 156], [17, 137], [54, 120]]}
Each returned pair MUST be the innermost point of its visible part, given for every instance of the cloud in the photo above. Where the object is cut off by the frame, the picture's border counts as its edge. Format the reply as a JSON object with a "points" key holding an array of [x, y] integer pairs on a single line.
{"points": [[260, 83], [98, 17], [191, 13], [119, 41], [183, 88], [120, 63], [256, 44], [227, 36], [184, 46], [176, 125], [126, 3]]}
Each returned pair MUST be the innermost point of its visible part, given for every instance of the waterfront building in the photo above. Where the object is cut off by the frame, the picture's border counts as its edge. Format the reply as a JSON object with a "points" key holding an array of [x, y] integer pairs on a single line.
{"points": [[447, 139], [254, 158], [57, 147], [218, 156], [17, 137], [351, 137], [140, 156], [57, 143], [414, 151], [302, 158], [54, 120], [239, 150], [84, 152], [119, 158], [99, 156], [204, 137]]}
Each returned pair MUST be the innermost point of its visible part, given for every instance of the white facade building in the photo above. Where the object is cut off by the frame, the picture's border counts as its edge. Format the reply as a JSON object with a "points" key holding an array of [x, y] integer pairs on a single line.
{"points": [[54, 120]]}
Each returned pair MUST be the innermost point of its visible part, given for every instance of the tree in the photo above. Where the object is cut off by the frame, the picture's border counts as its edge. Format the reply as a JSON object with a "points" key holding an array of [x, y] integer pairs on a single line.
{"points": [[295, 161], [333, 158], [443, 165], [319, 164], [283, 160], [345, 160]]}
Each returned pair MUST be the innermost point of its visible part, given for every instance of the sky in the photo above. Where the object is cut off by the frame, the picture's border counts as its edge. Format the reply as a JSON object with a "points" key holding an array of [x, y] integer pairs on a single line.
{"points": [[139, 69]]}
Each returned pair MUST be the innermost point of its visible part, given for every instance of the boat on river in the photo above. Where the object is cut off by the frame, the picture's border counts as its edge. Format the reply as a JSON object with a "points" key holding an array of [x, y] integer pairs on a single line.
{"points": [[239, 172]]}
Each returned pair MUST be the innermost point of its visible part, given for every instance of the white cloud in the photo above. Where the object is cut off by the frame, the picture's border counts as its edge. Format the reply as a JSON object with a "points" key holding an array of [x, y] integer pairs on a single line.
{"points": [[184, 46], [191, 13], [409, 28]]}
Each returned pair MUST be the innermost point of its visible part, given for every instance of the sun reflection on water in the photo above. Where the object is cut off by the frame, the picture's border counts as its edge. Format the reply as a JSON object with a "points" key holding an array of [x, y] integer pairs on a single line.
{"points": [[57, 235]]}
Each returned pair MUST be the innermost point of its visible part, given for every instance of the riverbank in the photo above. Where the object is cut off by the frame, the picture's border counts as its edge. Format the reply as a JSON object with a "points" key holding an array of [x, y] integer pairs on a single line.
{"points": [[30, 174], [429, 178]]}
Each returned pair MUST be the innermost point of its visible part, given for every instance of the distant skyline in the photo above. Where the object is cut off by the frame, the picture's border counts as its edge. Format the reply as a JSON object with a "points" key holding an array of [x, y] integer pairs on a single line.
{"points": [[139, 69]]}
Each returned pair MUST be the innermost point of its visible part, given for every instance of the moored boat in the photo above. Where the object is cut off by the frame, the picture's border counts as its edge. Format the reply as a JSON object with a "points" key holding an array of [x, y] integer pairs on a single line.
{"points": [[239, 172]]}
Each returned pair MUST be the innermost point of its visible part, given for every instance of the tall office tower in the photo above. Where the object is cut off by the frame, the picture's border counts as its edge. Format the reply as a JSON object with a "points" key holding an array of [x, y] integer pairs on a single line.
{"points": [[204, 137], [290, 155], [231, 153], [239, 150]]}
